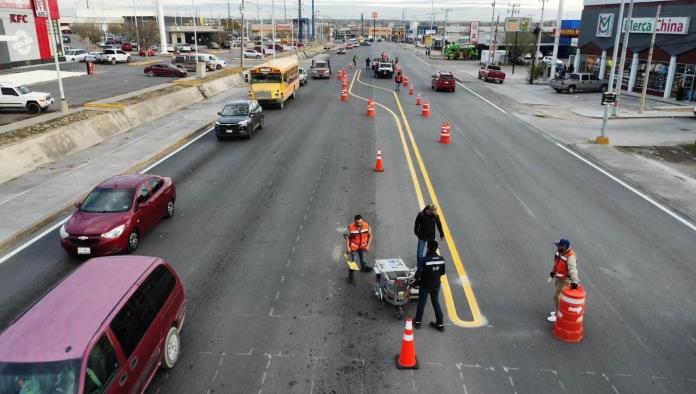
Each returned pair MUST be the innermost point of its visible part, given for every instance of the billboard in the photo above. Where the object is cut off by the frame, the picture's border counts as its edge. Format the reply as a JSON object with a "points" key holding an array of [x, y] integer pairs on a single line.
{"points": [[517, 24], [665, 25], [474, 32]]}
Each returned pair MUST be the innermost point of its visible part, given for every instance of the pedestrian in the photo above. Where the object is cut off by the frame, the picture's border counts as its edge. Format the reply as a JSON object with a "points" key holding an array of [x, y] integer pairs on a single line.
{"points": [[571, 68], [565, 272], [358, 241], [424, 228], [398, 79], [367, 63], [355, 60], [396, 60], [428, 274]]}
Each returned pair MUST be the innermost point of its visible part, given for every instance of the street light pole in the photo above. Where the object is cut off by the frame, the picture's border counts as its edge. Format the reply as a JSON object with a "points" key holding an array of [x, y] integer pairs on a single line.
{"points": [[557, 37], [241, 41], [491, 45], [195, 31], [54, 48]]}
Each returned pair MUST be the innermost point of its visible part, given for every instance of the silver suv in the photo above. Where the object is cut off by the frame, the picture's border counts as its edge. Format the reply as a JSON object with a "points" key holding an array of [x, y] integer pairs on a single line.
{"points": [[584, 82]]}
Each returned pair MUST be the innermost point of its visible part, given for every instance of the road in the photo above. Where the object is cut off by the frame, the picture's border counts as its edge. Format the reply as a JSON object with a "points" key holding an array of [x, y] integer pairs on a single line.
{"points": [[257, 240]]}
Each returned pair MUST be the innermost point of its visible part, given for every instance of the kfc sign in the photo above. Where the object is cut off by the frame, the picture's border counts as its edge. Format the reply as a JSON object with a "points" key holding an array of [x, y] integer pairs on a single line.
{"points": [[19, 18], [41, 8]]}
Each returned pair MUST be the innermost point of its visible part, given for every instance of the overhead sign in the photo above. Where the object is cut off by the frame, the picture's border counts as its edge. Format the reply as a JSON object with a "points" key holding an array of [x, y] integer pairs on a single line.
{"points": [[517, 24], [474, 32], [665, 25], [40, 8], [605, 25]]}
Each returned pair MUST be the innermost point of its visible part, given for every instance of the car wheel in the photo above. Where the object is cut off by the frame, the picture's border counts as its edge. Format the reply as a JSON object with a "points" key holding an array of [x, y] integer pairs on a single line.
{"points": [[33, 108], [113, 60], [261, 123], [258, 56], [571, 89], [151, 74], [133, 240], [172, 349], [218, 67], [170, 209], [603, 89]]}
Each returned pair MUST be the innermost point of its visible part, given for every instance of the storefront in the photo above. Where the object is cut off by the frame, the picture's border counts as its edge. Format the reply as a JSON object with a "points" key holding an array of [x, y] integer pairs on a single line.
{"points": [[673, 66], [25, 32]]}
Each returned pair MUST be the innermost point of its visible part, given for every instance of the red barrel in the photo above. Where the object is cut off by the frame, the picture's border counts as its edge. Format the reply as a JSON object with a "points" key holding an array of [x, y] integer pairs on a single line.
{"points": [[571, 315], [90, 68]]}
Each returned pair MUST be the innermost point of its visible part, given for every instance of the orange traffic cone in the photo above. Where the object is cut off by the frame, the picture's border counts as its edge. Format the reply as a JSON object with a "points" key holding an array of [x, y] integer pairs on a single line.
{"points": [[371, 108], [445, 133], [344, 95], [379, 167], [426, 109], [418, 99], [405, 80], [339, 75], [350, 66], [344, 83], [410, 90], [407, 358]]}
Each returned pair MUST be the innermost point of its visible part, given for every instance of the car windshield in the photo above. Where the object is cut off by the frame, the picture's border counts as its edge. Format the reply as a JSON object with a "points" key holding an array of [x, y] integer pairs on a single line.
{"points": [[235, 110], [23, 89], [320, 65], [108, 200], [267, 77], [71, 52], [40, 378]]}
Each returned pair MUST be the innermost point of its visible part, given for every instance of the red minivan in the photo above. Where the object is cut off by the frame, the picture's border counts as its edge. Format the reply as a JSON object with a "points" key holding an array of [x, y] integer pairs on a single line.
{"points": [[106, 328]]}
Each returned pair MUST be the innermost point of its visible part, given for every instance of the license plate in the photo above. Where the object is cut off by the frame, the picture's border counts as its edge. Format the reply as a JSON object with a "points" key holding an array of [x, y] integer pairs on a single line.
{"points": [[230, 131], [84, 251]]}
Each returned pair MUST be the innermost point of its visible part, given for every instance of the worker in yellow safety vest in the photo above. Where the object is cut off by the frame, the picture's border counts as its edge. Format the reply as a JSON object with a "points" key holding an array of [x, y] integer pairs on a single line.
{"points": [[565, 272], [358, 241]]}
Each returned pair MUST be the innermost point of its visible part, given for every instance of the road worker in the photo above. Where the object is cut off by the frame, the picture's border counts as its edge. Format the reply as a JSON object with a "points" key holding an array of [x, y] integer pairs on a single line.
{"points": [[428, 274], [565, 272], [358, 241]]}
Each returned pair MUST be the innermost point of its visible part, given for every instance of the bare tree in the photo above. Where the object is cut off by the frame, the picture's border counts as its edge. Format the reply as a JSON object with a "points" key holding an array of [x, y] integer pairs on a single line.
{"points": [[90, 31]]}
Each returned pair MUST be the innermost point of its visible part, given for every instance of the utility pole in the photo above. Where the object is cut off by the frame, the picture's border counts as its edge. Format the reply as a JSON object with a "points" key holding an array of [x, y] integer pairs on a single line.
{"points": [[163, 35], [195, 32], [273, 28], [557, 38], [491, 43], [619, 26], [241, 41], [300, 36], [362, 27], [495, 42], [54, 48], [444, 32], [514, 50], [229, 19], [538, 45], [627, 33], [646, 78], [432, 19], [313, 26]]}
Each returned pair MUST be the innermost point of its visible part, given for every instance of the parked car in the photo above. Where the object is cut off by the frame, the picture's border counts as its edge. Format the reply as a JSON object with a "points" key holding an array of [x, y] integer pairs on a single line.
{"points": [[341, 51], [117, 213], [252, 53], [114, 56], [490, 72], [303, 76], [129, 46], [277, 47], [521, 61], [584, 82], [213, 45], [188, 61], [182, 48], [349, 46], [75, 55], [151, 51], [92, 57], [18, 96], [365, 44], [289, 48], [240, 118], [384, 70], [443, 81], [164, 70], [106, 328], [547, 60]]}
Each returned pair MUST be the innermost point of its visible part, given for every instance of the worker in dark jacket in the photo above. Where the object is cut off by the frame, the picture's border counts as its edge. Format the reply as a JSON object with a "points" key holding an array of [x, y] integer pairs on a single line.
{"points": [[428, 274], [424, 228]]}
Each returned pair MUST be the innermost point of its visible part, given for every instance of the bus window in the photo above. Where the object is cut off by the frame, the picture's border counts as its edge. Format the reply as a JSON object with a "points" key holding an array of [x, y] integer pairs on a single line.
{"points": [[266, 78]]}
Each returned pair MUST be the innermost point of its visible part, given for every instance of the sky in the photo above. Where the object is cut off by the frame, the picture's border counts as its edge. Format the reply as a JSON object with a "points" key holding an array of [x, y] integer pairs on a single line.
{"points": [[410, 9]]}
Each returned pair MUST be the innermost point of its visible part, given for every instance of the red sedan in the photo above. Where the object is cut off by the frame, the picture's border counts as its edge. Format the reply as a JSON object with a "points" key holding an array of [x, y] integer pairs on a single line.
{"points": [[164, 70], [149, 52], [113, 217]]}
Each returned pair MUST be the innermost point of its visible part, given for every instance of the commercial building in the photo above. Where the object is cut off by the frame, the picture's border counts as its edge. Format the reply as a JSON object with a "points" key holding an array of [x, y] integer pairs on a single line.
{"points": [[25, 32], [673, 67]]}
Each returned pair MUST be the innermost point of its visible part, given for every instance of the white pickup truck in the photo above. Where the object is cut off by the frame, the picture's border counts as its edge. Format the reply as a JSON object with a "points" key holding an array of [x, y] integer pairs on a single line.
{"points": [[114, 56], [18, 96]]}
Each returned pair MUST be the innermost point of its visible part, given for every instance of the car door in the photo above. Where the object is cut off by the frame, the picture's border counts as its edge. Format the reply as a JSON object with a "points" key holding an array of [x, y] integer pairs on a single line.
{"points": [[584, 81], [103, 372], [159, 197], [145, 208], [594, 83], [9, 97]]}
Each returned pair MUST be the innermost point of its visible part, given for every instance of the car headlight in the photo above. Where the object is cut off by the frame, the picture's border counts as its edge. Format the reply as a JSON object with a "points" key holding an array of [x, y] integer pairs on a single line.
{"points": [[244, 123], [63, 233], [217, 123], [115, 232]]}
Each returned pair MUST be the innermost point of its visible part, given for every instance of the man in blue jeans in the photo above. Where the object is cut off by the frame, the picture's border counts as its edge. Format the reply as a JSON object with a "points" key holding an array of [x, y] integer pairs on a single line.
{"points": [[430, 270], [424, 228]]}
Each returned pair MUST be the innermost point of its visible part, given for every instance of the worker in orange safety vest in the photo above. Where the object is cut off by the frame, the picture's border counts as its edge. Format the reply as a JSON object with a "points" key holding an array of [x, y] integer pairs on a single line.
{"points": [[358, 241], [565, 272]]}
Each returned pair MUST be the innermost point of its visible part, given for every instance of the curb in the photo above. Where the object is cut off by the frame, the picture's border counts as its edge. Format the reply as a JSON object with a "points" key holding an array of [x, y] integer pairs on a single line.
{"points": [[65, 209]]}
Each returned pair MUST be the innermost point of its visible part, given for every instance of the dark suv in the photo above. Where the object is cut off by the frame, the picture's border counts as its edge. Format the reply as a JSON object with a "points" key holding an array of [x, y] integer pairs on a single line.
{"points": [[240, 118]]}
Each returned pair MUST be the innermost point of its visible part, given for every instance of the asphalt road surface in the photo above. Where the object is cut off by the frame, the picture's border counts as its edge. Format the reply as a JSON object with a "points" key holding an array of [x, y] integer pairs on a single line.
{"points": [[257, 241]]}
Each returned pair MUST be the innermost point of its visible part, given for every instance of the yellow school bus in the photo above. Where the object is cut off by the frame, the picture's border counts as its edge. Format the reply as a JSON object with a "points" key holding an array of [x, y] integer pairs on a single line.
{"points": [[275, 81]]}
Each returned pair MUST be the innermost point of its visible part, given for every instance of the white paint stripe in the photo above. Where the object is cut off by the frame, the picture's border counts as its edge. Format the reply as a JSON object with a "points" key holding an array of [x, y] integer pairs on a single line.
{"points": [[60, 223], [579, 301], [470, 91], [631, 188]]}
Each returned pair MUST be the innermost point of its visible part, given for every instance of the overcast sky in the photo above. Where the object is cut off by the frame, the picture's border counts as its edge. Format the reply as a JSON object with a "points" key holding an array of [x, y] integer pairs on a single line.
{"points": [[412, 9]]}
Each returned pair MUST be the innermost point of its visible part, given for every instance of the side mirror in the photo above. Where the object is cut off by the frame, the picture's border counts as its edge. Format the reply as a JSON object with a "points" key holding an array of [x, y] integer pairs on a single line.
{"points": [[219, 113], [78, 204], [141, 199]]}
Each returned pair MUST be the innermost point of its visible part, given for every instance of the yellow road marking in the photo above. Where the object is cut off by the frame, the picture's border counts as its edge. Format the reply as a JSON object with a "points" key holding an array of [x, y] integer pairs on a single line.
{"points": [[477, 318], [105, 105]]}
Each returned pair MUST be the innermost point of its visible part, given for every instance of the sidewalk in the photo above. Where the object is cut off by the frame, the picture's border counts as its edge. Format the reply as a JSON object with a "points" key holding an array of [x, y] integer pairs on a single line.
{"points": [[39, 197]]}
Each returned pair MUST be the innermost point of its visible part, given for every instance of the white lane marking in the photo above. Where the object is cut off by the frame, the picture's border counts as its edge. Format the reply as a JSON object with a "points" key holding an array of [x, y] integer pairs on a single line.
{"points": [[469, 90], [631, 188], [60, 222]]}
